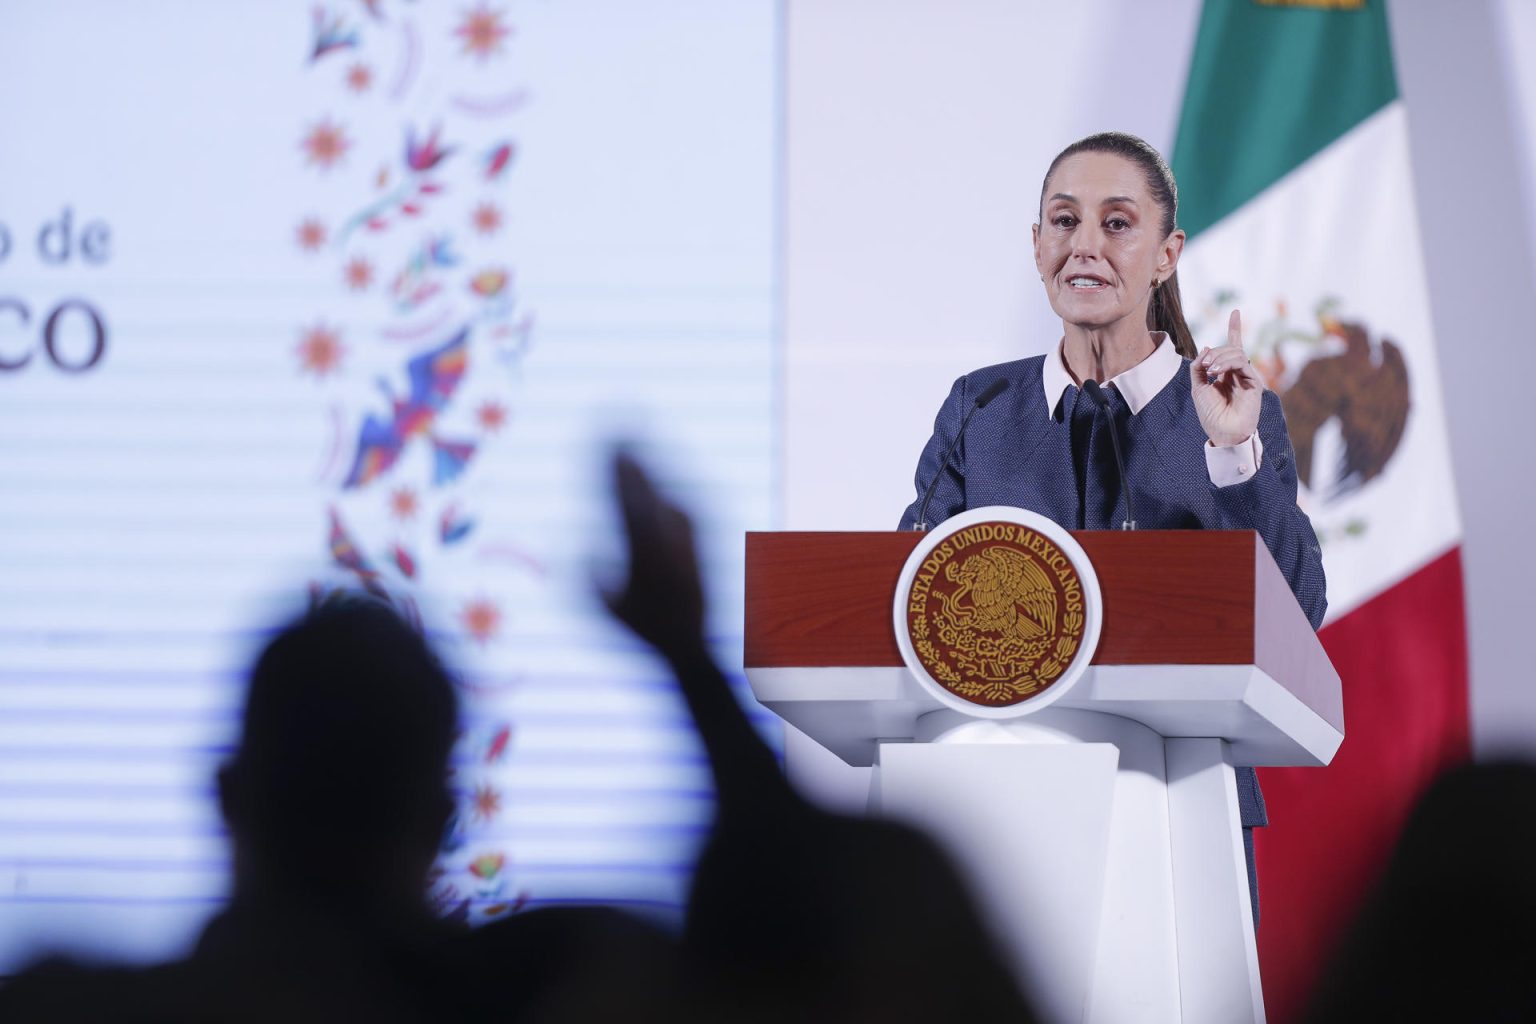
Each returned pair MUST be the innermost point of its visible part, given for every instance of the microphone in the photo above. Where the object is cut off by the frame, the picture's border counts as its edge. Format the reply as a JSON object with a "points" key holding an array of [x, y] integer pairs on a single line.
{"points": [[1093, 391], [988, 393]]}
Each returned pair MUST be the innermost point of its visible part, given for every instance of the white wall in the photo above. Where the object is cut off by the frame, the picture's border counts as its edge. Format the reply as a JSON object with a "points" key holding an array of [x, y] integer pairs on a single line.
{"points": [[1472, 115]]}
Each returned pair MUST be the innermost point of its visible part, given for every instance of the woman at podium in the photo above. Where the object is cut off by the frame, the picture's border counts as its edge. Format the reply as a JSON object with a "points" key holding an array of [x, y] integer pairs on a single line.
{"points": [[1202, 443]]}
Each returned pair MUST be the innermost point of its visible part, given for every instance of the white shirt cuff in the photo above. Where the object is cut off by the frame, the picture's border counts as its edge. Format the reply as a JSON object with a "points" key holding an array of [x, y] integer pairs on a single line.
{"points": [[1235, 463]]}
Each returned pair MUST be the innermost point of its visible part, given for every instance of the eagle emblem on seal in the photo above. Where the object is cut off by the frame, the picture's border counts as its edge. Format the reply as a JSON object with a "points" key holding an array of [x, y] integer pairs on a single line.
{"points": [[1001, 592]]}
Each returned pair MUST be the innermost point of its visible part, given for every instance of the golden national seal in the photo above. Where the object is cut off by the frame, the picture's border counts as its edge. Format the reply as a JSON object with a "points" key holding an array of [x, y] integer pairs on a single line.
{"points": [[995, 613]]}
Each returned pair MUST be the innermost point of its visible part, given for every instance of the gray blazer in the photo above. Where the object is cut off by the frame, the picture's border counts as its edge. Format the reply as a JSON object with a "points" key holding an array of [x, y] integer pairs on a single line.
{"points": [[1016, 452]]}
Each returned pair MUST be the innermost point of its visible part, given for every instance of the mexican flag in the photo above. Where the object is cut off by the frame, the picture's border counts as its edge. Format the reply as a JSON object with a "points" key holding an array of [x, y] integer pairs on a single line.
{"points": [[1296, 192]]}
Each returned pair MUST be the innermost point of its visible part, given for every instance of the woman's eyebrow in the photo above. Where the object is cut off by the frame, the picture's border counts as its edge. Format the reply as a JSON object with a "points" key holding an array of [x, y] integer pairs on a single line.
{"points": [[1107, 201]]}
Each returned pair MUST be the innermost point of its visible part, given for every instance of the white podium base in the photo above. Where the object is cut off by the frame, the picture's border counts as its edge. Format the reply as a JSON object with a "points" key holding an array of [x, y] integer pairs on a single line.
{"points": [[1108, 859]]}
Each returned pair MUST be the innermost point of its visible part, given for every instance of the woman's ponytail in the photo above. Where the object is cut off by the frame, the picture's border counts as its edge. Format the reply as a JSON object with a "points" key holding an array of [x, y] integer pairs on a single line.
{"points": [[1166, 313]]}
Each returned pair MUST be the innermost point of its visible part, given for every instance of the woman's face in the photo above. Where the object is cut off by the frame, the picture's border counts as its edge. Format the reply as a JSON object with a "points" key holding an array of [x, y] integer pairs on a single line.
{"points": [[1100, 244]]}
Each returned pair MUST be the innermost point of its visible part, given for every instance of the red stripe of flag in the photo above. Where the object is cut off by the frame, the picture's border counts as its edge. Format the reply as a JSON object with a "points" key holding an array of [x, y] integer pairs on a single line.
{"points": [[1402, 657]]}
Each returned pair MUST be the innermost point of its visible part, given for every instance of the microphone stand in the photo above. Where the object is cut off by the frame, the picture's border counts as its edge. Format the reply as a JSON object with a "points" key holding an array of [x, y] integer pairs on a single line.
{"points": [[992, 390]]}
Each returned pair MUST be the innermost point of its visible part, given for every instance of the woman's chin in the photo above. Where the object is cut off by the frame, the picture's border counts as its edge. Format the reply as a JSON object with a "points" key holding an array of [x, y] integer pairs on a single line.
{"points": [[1093, 314], [1092, 320]]}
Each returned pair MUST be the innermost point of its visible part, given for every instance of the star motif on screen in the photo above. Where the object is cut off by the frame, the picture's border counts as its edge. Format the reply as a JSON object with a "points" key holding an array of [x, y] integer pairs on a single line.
{"points": [[311, 234], [487, 802], [403, 504], [320, 351], [483, 31], [359, 77], [486, 218], [325, 144], [481, 619], [491, 416], [359, 273]]}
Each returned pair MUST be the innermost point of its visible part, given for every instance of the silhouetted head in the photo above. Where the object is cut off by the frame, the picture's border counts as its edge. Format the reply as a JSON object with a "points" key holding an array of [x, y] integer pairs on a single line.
{"points": [[338, 791], [1448, 933]]}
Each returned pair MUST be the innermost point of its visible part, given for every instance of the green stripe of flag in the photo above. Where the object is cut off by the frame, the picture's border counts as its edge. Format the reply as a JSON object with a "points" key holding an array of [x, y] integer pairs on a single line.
{"points": [[1269, 86]]}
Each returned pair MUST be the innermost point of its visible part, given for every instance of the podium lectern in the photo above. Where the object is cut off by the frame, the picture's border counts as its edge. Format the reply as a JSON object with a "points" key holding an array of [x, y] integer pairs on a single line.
{"points": [[1100, 834]]}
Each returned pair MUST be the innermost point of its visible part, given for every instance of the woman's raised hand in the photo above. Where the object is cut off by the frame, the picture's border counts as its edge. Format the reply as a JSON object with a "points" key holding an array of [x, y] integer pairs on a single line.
{"points": [[1227, 390]]}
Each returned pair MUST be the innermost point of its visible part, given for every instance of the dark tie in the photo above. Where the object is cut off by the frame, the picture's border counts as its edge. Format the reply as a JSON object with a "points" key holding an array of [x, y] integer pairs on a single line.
{"points": [[1093, 458]]}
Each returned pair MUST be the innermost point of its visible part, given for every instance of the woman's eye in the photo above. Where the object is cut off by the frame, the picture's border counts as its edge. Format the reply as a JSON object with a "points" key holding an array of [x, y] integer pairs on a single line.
{"points": [[1117, 224], [1064, 220]]}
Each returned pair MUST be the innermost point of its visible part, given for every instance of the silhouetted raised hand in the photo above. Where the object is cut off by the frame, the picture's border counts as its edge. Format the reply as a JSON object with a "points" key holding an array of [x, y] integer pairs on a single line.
{"points": [[662, 601], [795, 913]]}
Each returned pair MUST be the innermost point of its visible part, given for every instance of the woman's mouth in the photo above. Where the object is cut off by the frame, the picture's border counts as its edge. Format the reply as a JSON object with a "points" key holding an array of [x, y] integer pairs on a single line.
{"points": [[1082, 282]]}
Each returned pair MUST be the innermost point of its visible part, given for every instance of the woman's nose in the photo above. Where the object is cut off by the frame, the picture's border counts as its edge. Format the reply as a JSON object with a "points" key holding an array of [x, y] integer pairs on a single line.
{"points": [[1087, 240]]}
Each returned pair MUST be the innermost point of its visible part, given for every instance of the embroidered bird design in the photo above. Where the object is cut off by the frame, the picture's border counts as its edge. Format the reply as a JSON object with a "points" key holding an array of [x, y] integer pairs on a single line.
{"points": [[434, 377]]}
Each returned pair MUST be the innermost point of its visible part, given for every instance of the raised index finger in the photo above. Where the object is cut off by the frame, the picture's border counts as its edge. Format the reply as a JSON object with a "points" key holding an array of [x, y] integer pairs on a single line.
{"points": [[1235, 330]]}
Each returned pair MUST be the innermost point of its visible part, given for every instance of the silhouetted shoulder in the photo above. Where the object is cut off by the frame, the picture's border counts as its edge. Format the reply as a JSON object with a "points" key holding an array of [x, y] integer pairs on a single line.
{"points": [[63, 990]]}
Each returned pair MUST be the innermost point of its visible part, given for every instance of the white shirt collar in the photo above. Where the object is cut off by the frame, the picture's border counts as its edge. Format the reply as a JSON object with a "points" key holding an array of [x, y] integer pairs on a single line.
{"points": [[1138, 385]]}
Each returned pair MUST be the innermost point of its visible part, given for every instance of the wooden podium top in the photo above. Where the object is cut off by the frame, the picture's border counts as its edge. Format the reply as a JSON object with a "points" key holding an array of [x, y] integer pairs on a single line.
{"points": [[1201, 636], [1171, 597]]}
